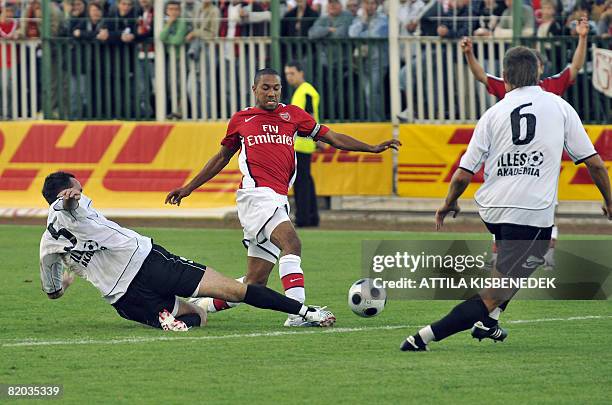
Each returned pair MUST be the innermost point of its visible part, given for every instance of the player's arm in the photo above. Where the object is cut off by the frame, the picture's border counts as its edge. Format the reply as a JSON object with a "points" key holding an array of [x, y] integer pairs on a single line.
{"points": [[461, 179], [477, 70], [55, 281], [345, 142], [599, 174], [210, 170], [582, 29], [476, 153]]}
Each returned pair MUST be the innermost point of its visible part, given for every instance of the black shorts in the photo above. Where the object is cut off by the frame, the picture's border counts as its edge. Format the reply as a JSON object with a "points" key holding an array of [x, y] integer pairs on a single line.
{"points": [[520, 248], [161, 278]]}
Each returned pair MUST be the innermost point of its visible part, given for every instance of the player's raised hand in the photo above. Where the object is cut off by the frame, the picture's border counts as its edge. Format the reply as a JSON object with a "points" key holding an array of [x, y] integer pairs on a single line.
{"points": [[175, 196], [582, 27], [443, 211], [69, 193], [390, 144], [466, 44]]}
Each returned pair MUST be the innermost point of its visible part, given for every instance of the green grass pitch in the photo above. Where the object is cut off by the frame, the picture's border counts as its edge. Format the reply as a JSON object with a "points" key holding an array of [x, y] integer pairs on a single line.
{"points": [[244, 355]]}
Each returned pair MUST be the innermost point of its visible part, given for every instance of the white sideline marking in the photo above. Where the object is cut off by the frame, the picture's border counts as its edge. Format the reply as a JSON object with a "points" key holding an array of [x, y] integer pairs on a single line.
{"points": [[31, 342]]}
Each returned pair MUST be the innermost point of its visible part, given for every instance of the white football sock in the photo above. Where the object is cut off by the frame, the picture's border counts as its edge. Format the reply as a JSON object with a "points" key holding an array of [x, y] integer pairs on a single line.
{"points": [[292, 277], [427, 334], [495, 313]]}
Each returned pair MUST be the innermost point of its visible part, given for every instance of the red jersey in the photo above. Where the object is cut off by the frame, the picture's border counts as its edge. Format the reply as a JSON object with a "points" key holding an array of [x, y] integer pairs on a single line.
{"points": [[265, 138], [556, 84]]}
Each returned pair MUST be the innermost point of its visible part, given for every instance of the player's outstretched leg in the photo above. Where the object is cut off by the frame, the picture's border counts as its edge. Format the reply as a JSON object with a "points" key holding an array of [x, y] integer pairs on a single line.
{"points": [[460, 318], [212, 305], [258, 271], [290, 266], [216, 285]]}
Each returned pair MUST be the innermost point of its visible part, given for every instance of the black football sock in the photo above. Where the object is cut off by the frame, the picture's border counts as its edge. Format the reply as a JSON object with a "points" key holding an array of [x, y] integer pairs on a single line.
{"points": [[265, 298], [493, 319], [504, 305], [460, 318], [191, 320], [490, 321]]}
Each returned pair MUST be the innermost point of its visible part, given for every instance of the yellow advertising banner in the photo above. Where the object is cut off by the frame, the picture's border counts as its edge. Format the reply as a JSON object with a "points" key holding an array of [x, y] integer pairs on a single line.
{"points": [[134, 165], [431, 153], [338, 172]]}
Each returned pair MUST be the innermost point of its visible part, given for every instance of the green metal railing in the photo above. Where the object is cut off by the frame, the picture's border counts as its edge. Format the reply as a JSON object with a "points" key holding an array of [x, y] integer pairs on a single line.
{"points": [[592, 106], [351, 76], [98, 81]]}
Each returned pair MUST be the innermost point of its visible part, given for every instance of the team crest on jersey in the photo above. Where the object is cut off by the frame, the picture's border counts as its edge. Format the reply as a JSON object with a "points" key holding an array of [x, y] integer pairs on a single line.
{"points": [[285, 116]]}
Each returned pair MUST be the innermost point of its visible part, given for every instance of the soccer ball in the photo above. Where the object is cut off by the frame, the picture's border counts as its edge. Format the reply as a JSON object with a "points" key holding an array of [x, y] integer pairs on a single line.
{"points": [[366, 300]]}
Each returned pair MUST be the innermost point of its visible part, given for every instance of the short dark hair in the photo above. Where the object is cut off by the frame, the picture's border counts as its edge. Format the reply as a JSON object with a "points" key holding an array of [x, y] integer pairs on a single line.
{"points": [[539, 56], [295, 64], [94, 4], [55, 183], [521, 67], [173, 3], [262, 72]]}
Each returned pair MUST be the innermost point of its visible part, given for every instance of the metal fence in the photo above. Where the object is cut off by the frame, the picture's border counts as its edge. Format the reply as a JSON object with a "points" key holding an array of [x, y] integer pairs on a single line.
{"points": [[351, 76], [96, 81], [19, 84], [210, 80], [437, 86]]}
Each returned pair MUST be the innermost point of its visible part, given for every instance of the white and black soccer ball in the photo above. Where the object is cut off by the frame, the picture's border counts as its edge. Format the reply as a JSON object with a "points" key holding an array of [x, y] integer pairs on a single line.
{"points": [[365, 299]]}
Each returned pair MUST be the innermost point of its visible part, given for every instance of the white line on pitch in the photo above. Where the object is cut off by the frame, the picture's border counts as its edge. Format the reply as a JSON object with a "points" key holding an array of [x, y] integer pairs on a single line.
{"points": [[175, 338]]}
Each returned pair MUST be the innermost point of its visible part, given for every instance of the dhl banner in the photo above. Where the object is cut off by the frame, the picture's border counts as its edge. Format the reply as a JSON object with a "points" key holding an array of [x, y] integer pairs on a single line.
{"points": [[338, 172], [134, 165], [431, 153]]}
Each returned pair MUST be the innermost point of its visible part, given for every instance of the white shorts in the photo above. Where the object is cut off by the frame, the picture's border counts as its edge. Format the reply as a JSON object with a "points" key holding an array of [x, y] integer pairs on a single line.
{"points": [[260, 211]]}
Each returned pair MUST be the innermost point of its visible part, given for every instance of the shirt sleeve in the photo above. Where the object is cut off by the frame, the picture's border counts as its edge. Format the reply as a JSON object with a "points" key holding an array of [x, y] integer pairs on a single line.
{"points": [[495, 86], [558, 83], [51, 271], [307, 126], [478, 148], [232, 136], [577, 143]]}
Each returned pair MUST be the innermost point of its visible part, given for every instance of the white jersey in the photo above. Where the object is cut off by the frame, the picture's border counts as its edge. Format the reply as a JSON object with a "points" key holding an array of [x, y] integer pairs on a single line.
{"points": [[95, 248], [520, 141]]}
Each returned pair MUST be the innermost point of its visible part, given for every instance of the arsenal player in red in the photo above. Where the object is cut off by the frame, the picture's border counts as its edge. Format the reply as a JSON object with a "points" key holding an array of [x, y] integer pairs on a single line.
{"points": [[556, 84], [264, 136]]}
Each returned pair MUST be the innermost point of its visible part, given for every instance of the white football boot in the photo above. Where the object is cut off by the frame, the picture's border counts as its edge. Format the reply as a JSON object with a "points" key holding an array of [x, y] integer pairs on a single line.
{"points": [[315, 317]]}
